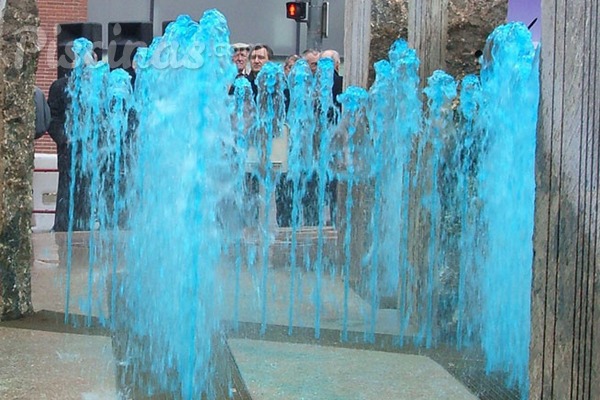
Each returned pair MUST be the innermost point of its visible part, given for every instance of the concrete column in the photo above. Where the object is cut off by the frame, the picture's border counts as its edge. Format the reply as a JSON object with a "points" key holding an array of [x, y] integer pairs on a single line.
{"points": [[428, 33], [17, 69], [356, 73], [565, 356], [357, 23]]}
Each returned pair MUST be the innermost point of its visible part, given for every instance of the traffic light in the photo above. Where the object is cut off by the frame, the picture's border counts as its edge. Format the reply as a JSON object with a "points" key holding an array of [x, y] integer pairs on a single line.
{"points": [[296, 10]]}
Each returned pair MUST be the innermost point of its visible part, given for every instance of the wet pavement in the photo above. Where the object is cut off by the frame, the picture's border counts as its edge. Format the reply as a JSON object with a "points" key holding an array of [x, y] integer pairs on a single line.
{"points": [[42, 358], [275, 370], [37, 364]]}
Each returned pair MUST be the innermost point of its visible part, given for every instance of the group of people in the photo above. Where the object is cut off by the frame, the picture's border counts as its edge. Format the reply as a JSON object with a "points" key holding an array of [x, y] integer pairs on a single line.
{"points": [[249, 61]]}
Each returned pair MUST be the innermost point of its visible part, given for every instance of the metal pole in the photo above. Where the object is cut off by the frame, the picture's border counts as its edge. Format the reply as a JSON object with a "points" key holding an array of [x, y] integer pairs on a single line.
{"points": [[298, 37], [314, 34]]}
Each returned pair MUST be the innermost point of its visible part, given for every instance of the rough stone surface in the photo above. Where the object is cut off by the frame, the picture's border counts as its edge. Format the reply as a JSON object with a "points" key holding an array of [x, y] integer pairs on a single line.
{"points": [[564, 360], [464, 28], [469, 24], [17, 67], [389, 21]]}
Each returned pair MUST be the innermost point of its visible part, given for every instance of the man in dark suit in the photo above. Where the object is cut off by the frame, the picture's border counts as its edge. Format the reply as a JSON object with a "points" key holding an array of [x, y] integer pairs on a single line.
{"points": [[337, 88], [59, 102], [259, 56], [338, 81]]}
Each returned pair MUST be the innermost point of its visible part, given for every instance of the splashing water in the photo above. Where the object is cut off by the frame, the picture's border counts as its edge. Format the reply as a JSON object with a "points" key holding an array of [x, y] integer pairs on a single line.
{"points": [[507, 191], [183, 181], [437, 211]]}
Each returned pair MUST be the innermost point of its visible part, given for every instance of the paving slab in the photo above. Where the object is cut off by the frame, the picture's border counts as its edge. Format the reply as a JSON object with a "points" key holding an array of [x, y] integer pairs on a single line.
{"points": [[275, 370], [41, 365]]}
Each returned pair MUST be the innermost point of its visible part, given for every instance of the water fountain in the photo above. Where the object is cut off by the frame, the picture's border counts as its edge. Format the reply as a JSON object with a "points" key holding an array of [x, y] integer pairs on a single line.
{"points": [[447, 234]]}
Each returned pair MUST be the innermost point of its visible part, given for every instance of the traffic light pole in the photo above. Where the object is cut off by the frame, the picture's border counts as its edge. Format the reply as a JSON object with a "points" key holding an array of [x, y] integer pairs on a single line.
{"points": [[316, 15], [314, 34], [298, 37]]}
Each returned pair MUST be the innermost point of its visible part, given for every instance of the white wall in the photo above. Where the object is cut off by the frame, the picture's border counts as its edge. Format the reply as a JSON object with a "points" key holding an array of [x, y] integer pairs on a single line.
{"points": [[45, 185]]}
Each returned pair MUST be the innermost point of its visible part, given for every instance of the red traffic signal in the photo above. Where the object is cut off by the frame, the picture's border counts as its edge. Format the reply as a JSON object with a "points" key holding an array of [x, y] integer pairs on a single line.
{"points": [[296, 10]]}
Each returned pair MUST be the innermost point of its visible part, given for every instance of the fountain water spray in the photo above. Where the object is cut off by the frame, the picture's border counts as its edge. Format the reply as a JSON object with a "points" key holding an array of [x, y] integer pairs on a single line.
{"points": [[449, 216]]}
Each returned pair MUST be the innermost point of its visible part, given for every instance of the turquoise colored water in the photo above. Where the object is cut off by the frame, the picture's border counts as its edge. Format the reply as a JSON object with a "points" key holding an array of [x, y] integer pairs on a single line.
{"points": [[438, 183]]}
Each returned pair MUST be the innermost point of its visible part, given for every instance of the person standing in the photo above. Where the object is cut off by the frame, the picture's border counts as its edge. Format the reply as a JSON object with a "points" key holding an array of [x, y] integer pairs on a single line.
{"points": [[310, 204], [59, 102], [289, 63], [336, 89], [42, 113], [240, 58], [312, 57], [259, 56], [338, 80]]}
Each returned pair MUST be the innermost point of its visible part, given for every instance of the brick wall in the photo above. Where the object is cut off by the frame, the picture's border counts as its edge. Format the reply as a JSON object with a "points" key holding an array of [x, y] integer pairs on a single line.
{"points": [[53, 12]]}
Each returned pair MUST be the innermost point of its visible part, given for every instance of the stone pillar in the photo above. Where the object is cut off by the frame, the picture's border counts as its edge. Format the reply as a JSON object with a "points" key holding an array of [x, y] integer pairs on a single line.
{"points": [[565, 344], [448, 33], [18, 46], [356, 42]]}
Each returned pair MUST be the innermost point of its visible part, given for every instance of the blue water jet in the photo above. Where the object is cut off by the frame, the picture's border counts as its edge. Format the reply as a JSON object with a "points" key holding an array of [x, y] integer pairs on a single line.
{"points": [[301, 123], [407, 110], [449, 188], [182, 182], [271, 116], [466, 158], [432, 158], [506, 178]]}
